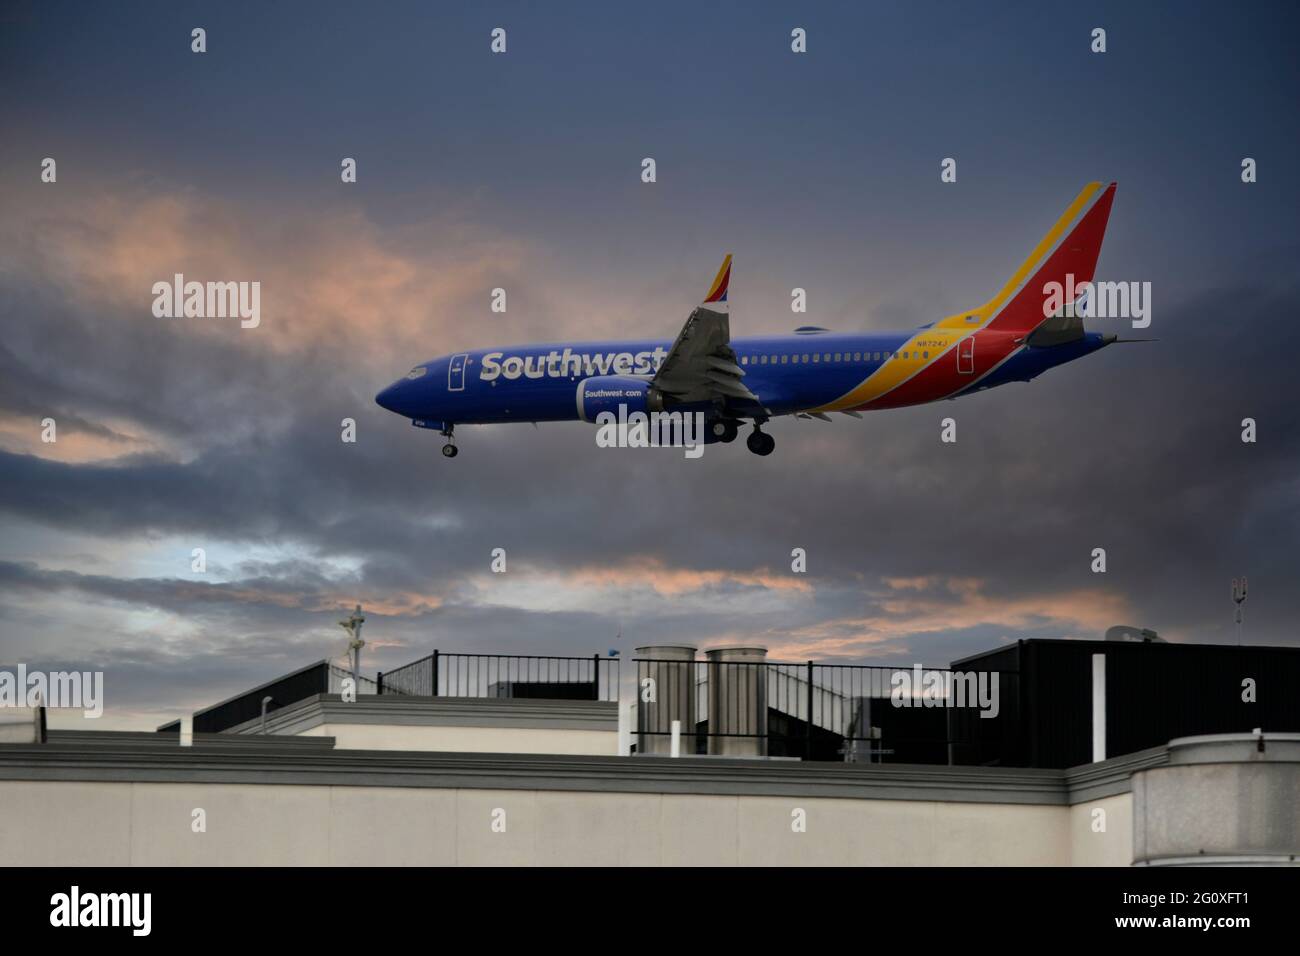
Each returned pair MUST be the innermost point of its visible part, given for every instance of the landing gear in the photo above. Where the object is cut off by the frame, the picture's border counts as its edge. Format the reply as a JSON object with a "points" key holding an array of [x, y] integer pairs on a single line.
{"points": [[760, 442], [449, 450], [724, 429]]}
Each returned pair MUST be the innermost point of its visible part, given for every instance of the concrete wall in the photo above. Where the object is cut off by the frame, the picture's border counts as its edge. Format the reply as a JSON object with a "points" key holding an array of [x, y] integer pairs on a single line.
{"points": [[150, 824], [87, 798], [1101, 831], [109, 798], [1222, 799]]}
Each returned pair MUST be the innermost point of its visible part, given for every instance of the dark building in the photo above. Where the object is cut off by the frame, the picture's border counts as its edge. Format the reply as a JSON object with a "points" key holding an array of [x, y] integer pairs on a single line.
{"points": [[1155, 692]]}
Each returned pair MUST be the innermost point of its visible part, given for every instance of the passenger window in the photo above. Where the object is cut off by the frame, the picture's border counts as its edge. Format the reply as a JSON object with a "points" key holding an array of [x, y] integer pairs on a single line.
{"points": [[744, 360], [785, 360], [764, 360], [816, 357]]}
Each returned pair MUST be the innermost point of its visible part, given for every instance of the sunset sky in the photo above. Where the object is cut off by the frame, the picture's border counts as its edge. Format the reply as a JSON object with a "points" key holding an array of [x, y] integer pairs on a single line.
{"points": [[522, 171]]}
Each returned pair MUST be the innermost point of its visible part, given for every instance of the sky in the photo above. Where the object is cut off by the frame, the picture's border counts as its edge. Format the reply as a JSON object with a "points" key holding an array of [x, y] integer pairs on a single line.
{"points": [[521, 170]]}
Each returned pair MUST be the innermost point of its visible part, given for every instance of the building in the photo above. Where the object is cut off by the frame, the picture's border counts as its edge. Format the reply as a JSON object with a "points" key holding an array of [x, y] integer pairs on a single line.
{"points": [[494, 759]]}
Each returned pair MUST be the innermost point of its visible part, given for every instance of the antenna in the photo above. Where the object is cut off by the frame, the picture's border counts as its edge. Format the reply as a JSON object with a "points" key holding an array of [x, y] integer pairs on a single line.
{"points": [[1239, 599], [352, 625]]}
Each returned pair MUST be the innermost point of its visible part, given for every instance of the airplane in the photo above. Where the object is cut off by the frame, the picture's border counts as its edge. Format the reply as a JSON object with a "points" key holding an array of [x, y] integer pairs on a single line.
{"points": [[808, 374]]}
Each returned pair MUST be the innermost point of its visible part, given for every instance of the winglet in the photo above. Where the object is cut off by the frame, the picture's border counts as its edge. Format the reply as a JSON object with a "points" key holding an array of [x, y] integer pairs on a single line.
{"points": [[718, 291]]}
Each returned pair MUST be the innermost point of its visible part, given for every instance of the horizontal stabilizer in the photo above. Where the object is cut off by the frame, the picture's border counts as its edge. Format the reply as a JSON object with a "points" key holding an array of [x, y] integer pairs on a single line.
{"points": [[1058, 330]]}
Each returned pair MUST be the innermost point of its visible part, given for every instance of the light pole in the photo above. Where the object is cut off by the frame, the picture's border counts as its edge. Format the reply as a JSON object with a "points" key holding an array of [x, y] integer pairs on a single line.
{"points": [[1239, 599], [353, 626]]}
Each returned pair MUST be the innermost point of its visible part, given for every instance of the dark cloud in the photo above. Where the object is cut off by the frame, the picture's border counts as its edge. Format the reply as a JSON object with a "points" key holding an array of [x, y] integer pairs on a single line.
{"points": [[181, 436]]}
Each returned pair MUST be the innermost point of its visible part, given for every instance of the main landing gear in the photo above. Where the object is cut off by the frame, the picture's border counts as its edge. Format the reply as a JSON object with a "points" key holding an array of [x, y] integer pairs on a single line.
{"points": [[760, 442], [724, 429], [449, 450]]}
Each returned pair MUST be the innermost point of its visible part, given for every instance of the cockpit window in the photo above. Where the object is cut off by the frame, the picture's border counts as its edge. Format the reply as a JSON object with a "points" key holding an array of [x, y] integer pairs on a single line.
{"points": [[416, 372]]}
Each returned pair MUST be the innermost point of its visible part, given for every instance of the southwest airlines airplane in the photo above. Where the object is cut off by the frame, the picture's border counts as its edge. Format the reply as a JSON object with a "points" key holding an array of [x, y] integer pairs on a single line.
{"points": [[809, 373]]}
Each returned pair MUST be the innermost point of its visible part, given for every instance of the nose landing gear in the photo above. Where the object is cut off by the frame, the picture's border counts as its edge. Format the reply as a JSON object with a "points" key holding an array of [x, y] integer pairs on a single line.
{"points": [[760, 442], [449, 450]]}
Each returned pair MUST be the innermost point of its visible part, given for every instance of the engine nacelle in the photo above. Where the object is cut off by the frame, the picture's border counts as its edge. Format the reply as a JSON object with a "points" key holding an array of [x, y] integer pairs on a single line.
{"points": [[605, 393]]}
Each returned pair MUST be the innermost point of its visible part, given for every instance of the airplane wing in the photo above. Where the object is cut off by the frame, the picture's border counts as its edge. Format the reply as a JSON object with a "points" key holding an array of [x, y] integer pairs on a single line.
{"points": [[701, 366]]}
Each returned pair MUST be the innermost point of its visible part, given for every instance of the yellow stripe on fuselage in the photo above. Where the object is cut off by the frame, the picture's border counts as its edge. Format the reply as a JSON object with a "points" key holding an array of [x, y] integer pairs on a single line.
{"points": [[898, 370]]}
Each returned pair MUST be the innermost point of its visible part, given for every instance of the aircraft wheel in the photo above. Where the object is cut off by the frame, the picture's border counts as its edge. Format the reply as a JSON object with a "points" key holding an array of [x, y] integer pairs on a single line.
{"points": [[450, 451], [760, 443], [724, 429]]}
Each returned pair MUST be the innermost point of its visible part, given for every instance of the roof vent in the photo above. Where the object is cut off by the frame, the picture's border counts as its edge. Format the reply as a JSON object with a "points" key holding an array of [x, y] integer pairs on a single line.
{"points": [[1137, 635]]}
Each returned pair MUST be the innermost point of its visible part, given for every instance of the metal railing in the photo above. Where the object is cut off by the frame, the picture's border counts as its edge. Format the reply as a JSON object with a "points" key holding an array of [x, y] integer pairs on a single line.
{"points": [[840, 712], [505, 675], [337, 674]]}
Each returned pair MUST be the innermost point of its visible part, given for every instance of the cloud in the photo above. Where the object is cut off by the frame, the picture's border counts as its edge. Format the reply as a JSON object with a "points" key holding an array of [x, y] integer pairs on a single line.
{"points": [[197, 434]]}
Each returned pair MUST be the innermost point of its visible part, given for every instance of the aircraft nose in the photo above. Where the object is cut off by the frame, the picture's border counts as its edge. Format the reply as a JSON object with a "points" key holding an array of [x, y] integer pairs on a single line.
{"points": [[387, 398]]}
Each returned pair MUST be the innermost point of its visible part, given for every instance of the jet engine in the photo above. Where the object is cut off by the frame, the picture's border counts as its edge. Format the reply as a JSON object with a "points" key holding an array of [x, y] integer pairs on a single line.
{"points": [[605, 393]]}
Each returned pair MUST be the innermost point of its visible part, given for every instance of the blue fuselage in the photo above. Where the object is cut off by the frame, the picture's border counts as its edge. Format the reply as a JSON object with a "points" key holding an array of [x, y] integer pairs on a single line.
{"points": [[789, 373]]}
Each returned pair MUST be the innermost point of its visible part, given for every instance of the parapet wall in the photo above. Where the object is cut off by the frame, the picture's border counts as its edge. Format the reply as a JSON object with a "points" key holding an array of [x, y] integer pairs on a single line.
{"points": [[296, 801]]}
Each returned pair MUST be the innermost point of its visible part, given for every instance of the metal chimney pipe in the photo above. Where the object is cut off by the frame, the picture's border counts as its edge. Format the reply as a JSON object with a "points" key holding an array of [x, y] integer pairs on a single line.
{"points": [[738, 701], [669, 670]]}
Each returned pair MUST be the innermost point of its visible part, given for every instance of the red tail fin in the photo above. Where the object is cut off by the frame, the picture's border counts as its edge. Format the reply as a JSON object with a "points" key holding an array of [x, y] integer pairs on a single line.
{"points": [[1067, 255]]}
